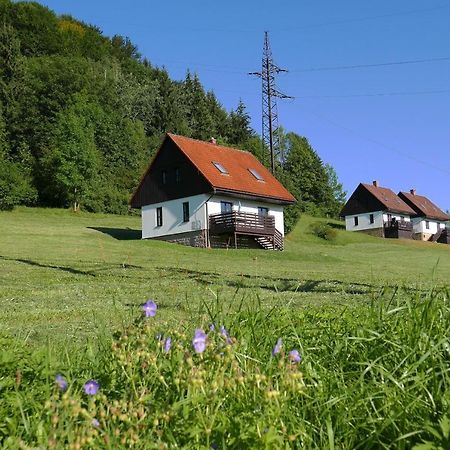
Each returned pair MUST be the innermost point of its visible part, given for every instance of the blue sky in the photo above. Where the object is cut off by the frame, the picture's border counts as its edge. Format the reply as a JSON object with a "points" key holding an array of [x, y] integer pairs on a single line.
{"points": [[389, 123]]}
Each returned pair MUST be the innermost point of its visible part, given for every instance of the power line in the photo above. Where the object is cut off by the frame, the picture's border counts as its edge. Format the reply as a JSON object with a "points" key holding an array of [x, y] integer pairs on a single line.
{"points": [[380, 144], [378, 94], [383, 64]]}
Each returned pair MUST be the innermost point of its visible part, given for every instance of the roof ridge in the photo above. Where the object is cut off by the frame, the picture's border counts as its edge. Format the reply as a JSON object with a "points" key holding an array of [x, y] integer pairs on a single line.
{"points": [[211, 143]]}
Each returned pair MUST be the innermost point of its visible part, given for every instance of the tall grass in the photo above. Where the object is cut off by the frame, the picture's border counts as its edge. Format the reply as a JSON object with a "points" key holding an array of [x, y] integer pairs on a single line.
{"points": [[371, 376]]}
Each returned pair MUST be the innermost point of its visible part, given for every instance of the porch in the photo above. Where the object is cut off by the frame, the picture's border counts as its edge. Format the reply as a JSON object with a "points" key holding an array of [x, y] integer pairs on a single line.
{"points": [[242, 229], [398, 229]]}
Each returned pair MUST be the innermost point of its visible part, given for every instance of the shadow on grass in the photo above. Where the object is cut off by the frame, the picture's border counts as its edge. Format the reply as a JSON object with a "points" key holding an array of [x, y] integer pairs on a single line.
{"points": [[336, 226], [272, 283], [49, 266], [121, 234], [71, 270]]}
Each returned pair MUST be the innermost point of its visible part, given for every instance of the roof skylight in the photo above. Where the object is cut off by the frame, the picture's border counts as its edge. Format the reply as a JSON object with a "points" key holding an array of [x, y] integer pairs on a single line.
{"points": [[256, 174], [220, 167]]}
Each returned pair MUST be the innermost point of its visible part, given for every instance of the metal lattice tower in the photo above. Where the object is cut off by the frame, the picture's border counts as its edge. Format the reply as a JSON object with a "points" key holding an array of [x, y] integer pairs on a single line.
{"points": [[270, 130]]}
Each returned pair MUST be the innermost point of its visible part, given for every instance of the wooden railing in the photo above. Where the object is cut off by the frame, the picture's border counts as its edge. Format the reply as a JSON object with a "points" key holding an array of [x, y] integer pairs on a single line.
{"points": [[402, 225], [241, 222]]}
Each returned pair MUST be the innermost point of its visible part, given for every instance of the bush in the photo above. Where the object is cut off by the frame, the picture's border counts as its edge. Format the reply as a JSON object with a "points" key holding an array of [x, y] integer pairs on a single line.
{"points": [[15, 188], [323, 231]]}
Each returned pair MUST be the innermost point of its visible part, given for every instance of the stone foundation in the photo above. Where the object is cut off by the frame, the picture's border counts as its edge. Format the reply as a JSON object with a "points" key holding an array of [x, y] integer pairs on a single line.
{"points": [[422, 236], [191, 238], [377, 232]]}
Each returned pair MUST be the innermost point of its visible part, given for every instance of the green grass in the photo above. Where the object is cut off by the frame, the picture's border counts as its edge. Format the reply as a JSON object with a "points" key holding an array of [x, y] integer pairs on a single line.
{"points": [[370, 317], [63, 274]]}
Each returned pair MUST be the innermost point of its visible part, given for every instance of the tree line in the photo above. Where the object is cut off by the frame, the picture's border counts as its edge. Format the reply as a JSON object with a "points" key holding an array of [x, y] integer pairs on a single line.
{"points": [[81, 114]]}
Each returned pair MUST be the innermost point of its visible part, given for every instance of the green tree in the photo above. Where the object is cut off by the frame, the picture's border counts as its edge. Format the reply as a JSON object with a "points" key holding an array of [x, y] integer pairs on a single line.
{"points": [[338, 195], [240, 131], [72, 161]]}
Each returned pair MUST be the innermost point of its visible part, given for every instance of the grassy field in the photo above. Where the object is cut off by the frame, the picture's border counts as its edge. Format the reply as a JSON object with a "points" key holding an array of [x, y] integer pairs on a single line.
{"points": [[370, 319], [64, 274]]}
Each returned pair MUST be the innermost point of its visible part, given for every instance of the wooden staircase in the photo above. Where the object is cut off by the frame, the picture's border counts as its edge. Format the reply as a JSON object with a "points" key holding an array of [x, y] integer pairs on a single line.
{"points": [[437, 235], [274, 242]]}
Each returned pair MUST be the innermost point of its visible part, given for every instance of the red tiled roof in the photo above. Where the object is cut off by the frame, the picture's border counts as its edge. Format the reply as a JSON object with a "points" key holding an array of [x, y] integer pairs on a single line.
{"points": [[389, 199], [237, 163], [423, 206]]}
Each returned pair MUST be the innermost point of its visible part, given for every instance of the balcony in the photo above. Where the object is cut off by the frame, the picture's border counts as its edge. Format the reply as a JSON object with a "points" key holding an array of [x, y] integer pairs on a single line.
{"points": [[398, 229], [246, 229]]}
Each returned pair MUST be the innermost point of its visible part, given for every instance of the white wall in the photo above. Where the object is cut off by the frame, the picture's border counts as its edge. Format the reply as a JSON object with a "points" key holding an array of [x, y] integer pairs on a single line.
{"points": [[364, 221], [249, 206], [172, 213], [419, 225], [404, 217]]}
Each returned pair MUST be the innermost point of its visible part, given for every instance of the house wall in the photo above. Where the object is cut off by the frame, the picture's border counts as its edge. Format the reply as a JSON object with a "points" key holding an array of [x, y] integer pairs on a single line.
{"points": [[421, 232], [364, 221], [400, 217], [248, 206], [172, 213]]}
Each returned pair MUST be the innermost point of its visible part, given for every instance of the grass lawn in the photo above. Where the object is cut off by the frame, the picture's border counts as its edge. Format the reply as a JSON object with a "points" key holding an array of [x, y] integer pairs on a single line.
{"points": [[362, 327], [64, 275]]}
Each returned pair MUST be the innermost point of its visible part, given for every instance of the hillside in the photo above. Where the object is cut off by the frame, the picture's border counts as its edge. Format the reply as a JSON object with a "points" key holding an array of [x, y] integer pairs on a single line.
{"points": [[62, 274]]}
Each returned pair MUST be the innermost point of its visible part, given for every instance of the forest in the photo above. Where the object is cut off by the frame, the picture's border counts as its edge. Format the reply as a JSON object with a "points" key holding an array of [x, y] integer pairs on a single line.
{"points": [[81, 115]]}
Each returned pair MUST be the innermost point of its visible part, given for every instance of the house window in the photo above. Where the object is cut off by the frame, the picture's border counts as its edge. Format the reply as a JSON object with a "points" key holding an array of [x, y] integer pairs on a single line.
{"points": [[262, 211], [371, 218], [356, 221], [220, 168], [427, 224], [256, 174], [177, 175], [402, 218], [159, 219], [164, 176], [185, 211], [226, 207]]}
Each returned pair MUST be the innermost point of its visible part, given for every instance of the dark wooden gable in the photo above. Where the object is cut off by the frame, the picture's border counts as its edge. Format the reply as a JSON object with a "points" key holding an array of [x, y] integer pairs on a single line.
{"points": [[170, 176], [361, 201]]}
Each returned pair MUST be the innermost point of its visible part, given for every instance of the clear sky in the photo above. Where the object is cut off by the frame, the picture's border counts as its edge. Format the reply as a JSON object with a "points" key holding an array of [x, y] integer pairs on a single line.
{"points": [[385, 122]]}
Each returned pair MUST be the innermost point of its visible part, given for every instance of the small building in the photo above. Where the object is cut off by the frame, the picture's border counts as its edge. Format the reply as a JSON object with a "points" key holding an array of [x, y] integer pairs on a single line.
{"points": [[207, 195], [429, 223], [378, 211]]}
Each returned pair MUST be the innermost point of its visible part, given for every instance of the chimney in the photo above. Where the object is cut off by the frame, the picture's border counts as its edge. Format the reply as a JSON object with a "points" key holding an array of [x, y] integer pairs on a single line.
{"points": [[413, 191], [375, 183], [213, 141]]}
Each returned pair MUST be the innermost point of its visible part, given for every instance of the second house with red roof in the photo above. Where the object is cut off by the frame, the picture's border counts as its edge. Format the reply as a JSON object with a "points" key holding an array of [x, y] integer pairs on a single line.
{"points": [[207, 195]]}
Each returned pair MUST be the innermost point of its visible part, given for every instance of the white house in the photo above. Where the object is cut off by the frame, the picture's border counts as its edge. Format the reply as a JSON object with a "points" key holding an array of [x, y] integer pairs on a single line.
{"points": [[203, 194], [378, 211], [429, 222]]}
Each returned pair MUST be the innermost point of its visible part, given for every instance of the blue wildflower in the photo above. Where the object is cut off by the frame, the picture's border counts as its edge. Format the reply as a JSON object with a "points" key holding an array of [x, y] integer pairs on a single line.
{"points": [[277, 348], [61, 382], [199, 340], [294, 356], [167, 345], [225, 334], [149, 308], [91, 387]]}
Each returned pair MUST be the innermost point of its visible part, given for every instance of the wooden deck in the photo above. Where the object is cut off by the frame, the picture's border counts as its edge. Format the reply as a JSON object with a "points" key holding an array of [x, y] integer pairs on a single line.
{"points": [[260, 229], [398, 229]]}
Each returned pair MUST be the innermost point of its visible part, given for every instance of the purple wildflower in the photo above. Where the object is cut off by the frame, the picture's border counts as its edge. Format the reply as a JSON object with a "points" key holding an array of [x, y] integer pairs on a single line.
{"points": [[95, 423], [91, 387], [212, 327], [294, 356], [167, 345], [277, 348], [225, 334], [61, 382], [199, 340], [149, 308]]}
